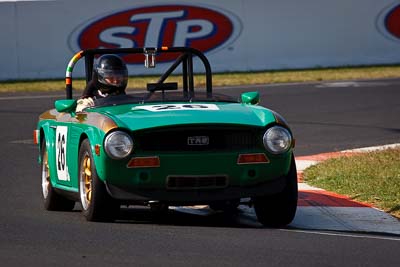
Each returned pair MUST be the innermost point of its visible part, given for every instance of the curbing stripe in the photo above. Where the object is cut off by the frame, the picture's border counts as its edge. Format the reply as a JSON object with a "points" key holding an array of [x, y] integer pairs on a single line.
{"points": [[324, 210], [324, 198]]}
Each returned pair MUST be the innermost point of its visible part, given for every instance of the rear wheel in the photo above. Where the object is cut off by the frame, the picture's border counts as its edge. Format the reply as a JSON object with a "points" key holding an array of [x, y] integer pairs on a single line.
{"points": [[51, 199], [278, 210], [228, 206], [97, 204], [159, 207], [159, 210]]}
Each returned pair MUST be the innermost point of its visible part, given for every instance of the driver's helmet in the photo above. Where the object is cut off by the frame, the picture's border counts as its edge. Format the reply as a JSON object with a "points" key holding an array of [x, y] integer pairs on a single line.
{"points": [[112, 74]]}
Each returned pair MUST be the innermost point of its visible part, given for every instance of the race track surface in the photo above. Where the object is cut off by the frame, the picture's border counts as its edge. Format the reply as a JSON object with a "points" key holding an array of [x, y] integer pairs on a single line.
{"points": [[325, 117]]}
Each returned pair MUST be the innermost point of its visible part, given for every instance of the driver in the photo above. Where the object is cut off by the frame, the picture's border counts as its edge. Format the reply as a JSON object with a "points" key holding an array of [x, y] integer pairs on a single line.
{"points": [[110, 77]]}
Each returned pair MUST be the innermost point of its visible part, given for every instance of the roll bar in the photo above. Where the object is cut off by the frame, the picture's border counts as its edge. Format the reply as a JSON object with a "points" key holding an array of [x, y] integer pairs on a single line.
{"points": [[185, 59]]}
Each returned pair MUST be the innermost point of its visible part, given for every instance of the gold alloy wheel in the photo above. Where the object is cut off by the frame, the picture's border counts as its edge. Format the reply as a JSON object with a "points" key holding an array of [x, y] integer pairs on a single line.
{"points": [[45, 174], [86, 181]]}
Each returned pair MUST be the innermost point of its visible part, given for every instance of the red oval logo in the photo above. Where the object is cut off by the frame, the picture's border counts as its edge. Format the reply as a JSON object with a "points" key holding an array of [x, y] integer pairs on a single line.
{"points": [[392, 21], [155, 26]]}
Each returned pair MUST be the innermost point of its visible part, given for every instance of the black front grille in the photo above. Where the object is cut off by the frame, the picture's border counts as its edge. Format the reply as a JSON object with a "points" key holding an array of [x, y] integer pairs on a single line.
{"points": [[197, 182], [204, 138]]}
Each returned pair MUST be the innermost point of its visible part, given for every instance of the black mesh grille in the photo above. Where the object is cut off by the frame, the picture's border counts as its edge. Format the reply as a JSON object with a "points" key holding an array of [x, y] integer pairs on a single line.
{"points": [[204, 138]]}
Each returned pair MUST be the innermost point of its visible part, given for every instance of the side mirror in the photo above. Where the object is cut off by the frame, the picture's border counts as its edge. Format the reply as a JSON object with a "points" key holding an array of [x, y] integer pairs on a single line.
{"points": [[65, 105], [251, 98]]}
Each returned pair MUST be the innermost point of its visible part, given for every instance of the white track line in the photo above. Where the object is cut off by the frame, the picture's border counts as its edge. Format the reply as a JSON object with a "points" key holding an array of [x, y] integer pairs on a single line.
{"points": [[363, 236]]}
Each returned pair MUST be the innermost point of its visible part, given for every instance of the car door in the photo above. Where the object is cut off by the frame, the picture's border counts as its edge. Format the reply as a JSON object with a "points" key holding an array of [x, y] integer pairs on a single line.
{"points": [[61, 150]]}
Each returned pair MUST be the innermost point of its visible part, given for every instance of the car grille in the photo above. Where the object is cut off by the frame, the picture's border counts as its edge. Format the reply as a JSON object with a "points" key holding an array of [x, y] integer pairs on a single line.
{"points": [[202, 138], [197, 182]]}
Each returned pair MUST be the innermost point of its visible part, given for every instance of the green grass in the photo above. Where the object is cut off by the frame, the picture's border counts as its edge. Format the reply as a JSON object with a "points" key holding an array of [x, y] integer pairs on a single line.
{"points": [[372, 177], [227, 79]]}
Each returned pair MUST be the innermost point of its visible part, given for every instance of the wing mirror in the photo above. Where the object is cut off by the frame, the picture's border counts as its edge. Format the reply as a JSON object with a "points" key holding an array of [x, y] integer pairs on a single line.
{"points": [[251, 98], [65, 105]]}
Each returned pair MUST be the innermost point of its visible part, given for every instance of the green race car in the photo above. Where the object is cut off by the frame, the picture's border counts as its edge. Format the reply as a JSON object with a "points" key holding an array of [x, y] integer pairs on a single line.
{"points": [[166, 147]]}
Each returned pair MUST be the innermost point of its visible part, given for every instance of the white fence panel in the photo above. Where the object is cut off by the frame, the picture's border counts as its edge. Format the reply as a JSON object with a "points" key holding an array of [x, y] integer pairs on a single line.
{"points": [[39, 37]]}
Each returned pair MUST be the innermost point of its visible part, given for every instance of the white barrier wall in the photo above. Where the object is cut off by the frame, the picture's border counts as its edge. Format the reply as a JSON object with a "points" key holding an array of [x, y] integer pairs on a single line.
{"points": [[39, 37]]}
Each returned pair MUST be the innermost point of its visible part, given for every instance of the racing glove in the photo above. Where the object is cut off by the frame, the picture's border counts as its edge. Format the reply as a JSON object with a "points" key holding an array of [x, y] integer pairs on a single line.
{"points": [[84, 103]]}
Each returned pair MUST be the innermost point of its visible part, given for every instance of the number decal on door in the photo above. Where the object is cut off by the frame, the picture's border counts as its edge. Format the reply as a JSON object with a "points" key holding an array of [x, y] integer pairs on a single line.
{"points": [[61, 153]]}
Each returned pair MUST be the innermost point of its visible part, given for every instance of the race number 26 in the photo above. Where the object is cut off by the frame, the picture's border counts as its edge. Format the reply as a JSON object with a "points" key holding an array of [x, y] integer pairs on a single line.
{"points": [[61, 153]]}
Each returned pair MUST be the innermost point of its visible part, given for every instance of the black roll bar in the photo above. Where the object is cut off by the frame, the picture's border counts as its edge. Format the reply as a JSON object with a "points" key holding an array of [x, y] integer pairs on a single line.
{"points": [[186, 58]]}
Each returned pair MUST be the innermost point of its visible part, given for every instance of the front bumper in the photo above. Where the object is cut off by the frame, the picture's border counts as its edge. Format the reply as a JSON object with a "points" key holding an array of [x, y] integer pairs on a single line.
{"points": [[196, 178], [194, 196]]}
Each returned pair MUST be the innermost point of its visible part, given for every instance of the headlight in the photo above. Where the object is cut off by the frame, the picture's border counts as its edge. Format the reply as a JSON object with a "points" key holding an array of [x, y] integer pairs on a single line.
{"points": [[277, 140], [118, 145]]}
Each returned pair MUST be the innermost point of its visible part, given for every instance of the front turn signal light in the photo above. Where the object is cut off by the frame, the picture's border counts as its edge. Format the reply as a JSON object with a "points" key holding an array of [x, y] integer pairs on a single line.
{"points": [[144, 162], [256, 158]]}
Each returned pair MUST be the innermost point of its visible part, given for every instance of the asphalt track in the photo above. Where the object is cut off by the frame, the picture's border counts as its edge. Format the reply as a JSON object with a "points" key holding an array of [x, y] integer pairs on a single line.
{"points": [[325, 117]]}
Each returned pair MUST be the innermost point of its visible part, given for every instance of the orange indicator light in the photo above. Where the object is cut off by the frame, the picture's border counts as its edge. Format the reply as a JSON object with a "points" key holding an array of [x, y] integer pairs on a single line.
{"points": [[164, 48], [256, 158], [144, 162], [97, 150], [36, 137]]}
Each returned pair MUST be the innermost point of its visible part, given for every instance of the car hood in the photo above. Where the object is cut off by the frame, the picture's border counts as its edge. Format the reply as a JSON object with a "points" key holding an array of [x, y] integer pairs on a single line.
{"points": [[138, 117]]}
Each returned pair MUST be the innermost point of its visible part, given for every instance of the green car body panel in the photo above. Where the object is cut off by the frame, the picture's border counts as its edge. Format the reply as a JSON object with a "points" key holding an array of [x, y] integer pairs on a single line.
{"points": [[188, 147], [95, 123]]}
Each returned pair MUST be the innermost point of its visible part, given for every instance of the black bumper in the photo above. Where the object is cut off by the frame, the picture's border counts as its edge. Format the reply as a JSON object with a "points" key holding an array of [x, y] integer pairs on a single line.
{"points": [[192, 197]]}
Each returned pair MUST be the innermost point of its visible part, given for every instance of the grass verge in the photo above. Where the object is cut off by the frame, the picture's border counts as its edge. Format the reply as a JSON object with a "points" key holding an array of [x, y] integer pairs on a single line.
{"points": [[227, 79], [372, 177]]}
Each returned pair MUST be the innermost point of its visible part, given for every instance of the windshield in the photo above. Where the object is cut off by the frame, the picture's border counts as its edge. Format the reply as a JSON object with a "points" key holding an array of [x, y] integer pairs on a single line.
{"points": [[153, 97]]}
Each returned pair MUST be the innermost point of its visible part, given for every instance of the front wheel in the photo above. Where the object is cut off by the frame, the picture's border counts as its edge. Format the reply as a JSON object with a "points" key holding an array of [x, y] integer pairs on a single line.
{"points": [[278, 210], [97, 205]]}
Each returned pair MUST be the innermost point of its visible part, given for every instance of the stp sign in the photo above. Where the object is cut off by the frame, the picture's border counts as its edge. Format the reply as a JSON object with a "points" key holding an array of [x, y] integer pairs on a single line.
{"points": [[392, 21], [154, 26], [388, 22]]}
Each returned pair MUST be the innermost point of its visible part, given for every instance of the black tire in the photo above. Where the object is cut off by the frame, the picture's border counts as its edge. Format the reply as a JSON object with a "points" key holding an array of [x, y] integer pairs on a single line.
{"points": [[278, 210], [51, 199], [97, 204]]}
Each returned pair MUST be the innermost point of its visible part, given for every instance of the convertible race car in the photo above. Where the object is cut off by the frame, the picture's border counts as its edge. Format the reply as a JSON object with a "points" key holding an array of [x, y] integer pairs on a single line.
{"points": [[172, 145]]}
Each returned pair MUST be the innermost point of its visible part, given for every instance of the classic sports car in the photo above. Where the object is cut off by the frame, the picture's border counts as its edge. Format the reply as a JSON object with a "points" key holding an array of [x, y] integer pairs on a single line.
{"points": [[166, 147]]}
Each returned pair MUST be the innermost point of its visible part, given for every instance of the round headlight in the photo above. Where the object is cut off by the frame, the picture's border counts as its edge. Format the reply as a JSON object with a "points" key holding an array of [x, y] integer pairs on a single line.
{"points": [[118, 145], [277, 140]]}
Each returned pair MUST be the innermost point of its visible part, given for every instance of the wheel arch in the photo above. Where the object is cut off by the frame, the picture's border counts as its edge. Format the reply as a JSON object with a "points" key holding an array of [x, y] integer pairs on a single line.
{"points": [[45, 138], [41, 140], [95, 137], [82, 138], [43, 134]]}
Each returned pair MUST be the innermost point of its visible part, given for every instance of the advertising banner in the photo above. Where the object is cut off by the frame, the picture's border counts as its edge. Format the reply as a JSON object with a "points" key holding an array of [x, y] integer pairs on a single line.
{"points": [[40, 37]]}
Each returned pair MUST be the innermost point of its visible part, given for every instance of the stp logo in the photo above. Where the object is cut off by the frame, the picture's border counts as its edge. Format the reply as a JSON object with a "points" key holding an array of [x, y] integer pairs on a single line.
{"points": [[388, 22], [155, 26], [392, 21]]}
